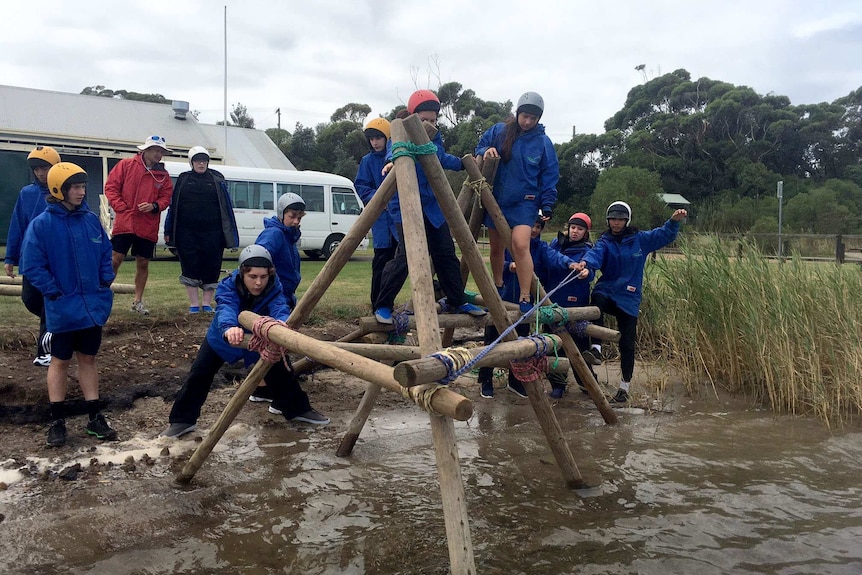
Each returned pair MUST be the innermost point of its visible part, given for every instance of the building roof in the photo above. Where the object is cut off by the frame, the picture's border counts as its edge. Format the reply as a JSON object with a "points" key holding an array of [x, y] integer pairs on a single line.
{"points": [[671, 199], [79, 122]]}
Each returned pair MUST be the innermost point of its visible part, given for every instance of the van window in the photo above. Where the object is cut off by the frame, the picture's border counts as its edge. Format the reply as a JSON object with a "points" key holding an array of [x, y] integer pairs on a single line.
{"points": [[344, 202], [313, 195], [250, 195]]}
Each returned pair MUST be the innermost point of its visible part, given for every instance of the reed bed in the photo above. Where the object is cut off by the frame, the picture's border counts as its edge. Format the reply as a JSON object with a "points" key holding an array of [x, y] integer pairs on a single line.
{"points": [[786, 334]]}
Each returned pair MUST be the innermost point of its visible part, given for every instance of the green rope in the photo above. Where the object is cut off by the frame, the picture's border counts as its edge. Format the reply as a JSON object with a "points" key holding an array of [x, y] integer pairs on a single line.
{"points": [[410, 149]]}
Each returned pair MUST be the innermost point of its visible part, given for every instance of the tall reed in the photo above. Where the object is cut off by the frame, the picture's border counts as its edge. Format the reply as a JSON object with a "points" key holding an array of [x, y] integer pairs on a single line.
{"points": [[787, 334]]}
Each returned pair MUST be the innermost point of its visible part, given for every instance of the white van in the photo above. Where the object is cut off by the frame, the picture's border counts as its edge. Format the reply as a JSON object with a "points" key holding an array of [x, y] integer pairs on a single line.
{"points": [[332, 205]]}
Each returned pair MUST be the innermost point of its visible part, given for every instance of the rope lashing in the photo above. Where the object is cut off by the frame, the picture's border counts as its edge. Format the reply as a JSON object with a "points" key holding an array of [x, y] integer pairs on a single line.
{"points": [[547, 315], [529, 369], [400, 149], [400, 326], [454, 358], [444, 305], [259, 342], [578, 328], [421, 395]]}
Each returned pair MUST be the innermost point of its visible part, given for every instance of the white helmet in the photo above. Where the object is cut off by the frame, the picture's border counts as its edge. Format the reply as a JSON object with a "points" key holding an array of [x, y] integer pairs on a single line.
{"points": [[290, 201], [197, 150], [255, 256], [620, 210]]}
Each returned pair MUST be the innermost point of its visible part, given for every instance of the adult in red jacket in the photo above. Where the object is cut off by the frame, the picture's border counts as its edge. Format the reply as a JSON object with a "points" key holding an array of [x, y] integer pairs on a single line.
{"points": [[138, 189]]}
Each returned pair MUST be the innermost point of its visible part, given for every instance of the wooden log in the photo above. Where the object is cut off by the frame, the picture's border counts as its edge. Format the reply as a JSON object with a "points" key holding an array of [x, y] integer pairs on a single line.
{"points": [[16, 281], [357, 422], [454, 320], [444, 401], [303, 365], [14, 289], [430, 369], [457, 522], [579, 366]]}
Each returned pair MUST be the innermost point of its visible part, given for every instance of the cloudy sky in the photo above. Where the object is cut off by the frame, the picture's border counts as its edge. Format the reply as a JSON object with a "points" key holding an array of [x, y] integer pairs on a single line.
{"points": [[310, 58]]}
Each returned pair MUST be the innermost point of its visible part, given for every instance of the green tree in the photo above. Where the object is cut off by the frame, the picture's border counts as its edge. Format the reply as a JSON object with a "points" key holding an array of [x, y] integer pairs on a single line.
{"points": [[352, 112], [124, 95], [239, 117], [640, 188]]}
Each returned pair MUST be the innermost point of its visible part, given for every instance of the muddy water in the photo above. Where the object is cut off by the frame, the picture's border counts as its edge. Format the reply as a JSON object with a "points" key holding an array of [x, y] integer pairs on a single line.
{"points": [[700, 492]]}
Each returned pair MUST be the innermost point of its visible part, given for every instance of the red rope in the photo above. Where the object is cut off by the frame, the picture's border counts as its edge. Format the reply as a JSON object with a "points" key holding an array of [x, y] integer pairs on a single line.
{"points": [[530, 369], [259, 342]]}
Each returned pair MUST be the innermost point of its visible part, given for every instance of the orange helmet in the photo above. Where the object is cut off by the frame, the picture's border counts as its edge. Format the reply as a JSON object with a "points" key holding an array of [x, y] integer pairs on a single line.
{"points": [[581, 219], [378, 125], [422, 100], [43, 157], [62, 175]]}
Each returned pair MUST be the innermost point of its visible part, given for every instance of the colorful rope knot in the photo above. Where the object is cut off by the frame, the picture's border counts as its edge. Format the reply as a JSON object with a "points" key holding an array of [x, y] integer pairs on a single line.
{"points": [[529, 369], [553, 315], [578, 328], [455, 359], [412, 150], [270, 352]]}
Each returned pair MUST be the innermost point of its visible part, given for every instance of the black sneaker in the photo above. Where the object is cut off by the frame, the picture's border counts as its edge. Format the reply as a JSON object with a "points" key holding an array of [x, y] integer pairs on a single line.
{"points": [[262, 393], [517, 388], [622, 396], [178, 429], [101, 429], [488, 389], [57, 433], [592, 356], [312, 416]]}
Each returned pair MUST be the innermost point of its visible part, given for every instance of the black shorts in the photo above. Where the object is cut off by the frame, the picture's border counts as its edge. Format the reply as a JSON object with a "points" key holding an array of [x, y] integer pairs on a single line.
{"points": [[86, 341], [140, 247]]}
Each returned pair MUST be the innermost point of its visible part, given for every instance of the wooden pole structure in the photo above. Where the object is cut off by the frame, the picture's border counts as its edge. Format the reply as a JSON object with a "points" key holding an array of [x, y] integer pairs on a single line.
{"points": [[470, 251], [461, 559], [11, 288], [304, 364]]}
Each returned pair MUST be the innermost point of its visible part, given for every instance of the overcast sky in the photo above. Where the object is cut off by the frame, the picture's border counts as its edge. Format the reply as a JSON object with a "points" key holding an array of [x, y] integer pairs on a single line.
{"points": [[309, 58]]}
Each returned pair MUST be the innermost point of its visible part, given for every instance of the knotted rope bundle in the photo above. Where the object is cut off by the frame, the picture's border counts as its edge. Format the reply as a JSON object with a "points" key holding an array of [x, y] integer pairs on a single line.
{"points": [[260, 343]]}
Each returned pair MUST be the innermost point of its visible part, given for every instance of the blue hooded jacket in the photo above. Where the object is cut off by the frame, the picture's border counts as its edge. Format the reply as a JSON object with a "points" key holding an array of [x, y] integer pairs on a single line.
{"points": [[232, 297], [368, 179], [280, 240], [622, 258], [31, 202], [529, 179], [430, 207], [575, 293], [545, 262], [67, 257]]}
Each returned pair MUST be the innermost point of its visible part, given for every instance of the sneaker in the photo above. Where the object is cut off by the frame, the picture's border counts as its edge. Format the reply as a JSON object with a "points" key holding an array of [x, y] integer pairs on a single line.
{"points": [[194, 309], [207, 309], [101, 429], [383, 315], [517, 388], [274, 410], [525, 306], [488, 389], [557, 393], [311, 416], [138, 307], [471, 309], [622, 396], [592, 356], [43, 360], [57, 433], [178, 429], [261, 394]]}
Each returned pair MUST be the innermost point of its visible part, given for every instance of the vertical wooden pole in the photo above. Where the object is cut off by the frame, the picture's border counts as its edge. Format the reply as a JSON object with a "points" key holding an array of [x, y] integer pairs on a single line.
{"points": [[462, 561]]}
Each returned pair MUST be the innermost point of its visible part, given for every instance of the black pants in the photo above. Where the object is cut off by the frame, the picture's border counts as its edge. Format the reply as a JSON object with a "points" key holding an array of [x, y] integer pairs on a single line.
{"points": [[628, 328], [441, 248], [288, 396], [486, 374], [382, 256], [35, 304]]}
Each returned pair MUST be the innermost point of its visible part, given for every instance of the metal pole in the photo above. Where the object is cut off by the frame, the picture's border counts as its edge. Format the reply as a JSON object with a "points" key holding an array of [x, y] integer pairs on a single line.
{"points": [[780, 210], [225, 86]]}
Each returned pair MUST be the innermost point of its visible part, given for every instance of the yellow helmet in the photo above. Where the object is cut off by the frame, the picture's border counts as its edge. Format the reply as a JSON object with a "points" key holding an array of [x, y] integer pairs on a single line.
{"points": [[43, 157], [379, 125], [63, 175]]}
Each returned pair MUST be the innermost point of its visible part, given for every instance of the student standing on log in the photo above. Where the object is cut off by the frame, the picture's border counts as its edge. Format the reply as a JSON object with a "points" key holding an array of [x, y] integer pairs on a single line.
{"points": [[200, 224], [253, 286], [32, 201], [67, 255], [441, 248], [369, 176], [621, 254], [573, 243], [526, 183]]}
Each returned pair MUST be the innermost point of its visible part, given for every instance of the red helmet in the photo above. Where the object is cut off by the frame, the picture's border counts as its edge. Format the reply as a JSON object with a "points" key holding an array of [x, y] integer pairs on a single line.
{"points": [[422, 100], [581, 219]]}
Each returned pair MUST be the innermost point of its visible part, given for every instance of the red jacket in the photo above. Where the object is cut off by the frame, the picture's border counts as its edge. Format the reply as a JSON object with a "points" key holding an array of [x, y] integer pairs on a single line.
{"points": [[130, 183]]}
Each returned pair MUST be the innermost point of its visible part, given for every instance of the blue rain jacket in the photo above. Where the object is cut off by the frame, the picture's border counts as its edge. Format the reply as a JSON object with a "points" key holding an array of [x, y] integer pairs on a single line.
{"points": [[368, 178], [31, 202], [577, 292], [280, 241]]}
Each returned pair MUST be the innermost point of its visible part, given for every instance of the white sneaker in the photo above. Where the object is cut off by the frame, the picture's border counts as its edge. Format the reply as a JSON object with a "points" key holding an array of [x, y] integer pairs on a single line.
{"points": [[43, 360], [138, 307]]}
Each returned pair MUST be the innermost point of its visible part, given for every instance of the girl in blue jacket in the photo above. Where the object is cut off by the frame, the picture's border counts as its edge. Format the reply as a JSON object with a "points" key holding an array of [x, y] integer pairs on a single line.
{"points": [[621, 254], [526, 182], [253, 286], [66, 255]]}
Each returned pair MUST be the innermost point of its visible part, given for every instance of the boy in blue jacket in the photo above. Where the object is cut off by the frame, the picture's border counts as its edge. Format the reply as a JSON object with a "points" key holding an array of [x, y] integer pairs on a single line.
{"points": [[253, 286], [621, 254], [31, 202], [441, 248], [369, 176], [66, 254], [280, 237]]}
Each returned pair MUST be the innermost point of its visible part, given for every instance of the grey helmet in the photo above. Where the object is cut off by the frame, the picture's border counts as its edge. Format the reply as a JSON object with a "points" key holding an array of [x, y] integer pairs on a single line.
{"points": [[255, 256], [620, 210], [532, 103], [290, 201]]}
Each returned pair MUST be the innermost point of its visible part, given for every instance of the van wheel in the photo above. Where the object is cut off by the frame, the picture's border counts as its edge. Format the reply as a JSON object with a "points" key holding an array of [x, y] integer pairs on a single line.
{"points": [[331, 245], [313, 254]]}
